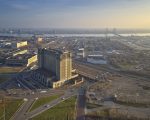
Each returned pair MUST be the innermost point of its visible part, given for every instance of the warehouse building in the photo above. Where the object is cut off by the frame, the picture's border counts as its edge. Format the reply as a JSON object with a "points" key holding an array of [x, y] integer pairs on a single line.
{"points": [[96, 59], [21, 60], [19, 44], [20, 52]]}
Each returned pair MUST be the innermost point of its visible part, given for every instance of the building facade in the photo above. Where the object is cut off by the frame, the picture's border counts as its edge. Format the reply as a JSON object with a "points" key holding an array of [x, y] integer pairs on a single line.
{"points": [[19, 44], [57, 63], [20, 52]]}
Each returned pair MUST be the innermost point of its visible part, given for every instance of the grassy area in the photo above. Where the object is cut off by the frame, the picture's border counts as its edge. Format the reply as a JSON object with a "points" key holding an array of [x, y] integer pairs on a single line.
{"points": [[127, 66], [133, 104], [43, 101], [10, 69], [91, 106], [62, 111], [116, 114], [100, 113], [11, 106]]}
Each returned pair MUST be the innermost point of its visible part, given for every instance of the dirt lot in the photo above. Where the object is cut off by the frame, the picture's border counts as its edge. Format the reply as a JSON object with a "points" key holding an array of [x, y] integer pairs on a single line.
{"points": [[126, 96]]}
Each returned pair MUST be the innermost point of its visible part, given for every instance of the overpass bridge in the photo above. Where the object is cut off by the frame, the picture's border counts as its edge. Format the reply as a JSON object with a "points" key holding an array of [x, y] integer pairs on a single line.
{"points": [[86, 75], [91, 72], [94, 78]]}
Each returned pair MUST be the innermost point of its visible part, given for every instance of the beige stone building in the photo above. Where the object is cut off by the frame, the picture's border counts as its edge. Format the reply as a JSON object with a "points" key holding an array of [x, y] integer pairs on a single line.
{"points": [[57, 65]]}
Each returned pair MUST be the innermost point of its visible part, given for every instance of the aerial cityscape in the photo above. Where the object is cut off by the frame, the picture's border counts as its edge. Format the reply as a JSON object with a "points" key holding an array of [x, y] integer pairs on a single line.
{"points": [[74, 60]]}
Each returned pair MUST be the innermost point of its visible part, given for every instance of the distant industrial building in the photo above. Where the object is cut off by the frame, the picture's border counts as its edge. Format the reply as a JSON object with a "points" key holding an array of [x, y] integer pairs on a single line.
{"points": [[4, 44], [21, 60], [81, 53], [36, 39], [39, 39], [20, 52], [96, 59], [55, 67], [19, 44]]}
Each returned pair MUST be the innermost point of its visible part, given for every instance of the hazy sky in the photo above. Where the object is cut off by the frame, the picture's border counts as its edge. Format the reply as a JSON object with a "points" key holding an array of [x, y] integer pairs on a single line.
{"points": [[75, 13]]}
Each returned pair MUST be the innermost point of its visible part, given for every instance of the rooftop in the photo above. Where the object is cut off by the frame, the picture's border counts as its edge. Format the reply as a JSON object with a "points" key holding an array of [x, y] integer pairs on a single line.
{"points": [[22, 56], [56, 51]]}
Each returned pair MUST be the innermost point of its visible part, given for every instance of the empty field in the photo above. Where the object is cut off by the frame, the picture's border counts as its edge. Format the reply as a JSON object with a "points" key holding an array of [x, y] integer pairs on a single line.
{"points": [[11, 106]]}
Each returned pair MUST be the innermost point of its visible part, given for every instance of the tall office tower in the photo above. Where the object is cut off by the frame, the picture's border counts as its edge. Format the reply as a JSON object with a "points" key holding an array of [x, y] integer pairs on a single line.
{"points": [[56, 62]]}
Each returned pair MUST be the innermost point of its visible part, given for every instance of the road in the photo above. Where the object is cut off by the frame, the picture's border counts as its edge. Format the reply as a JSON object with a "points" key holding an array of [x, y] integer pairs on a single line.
{"points": [[36, 94], [22, 114], [48, 106], [81, 105]]}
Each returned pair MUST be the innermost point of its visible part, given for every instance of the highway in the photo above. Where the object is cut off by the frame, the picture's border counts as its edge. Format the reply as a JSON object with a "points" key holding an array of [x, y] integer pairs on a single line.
{"points": [[22, 114], [49, 105]]}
